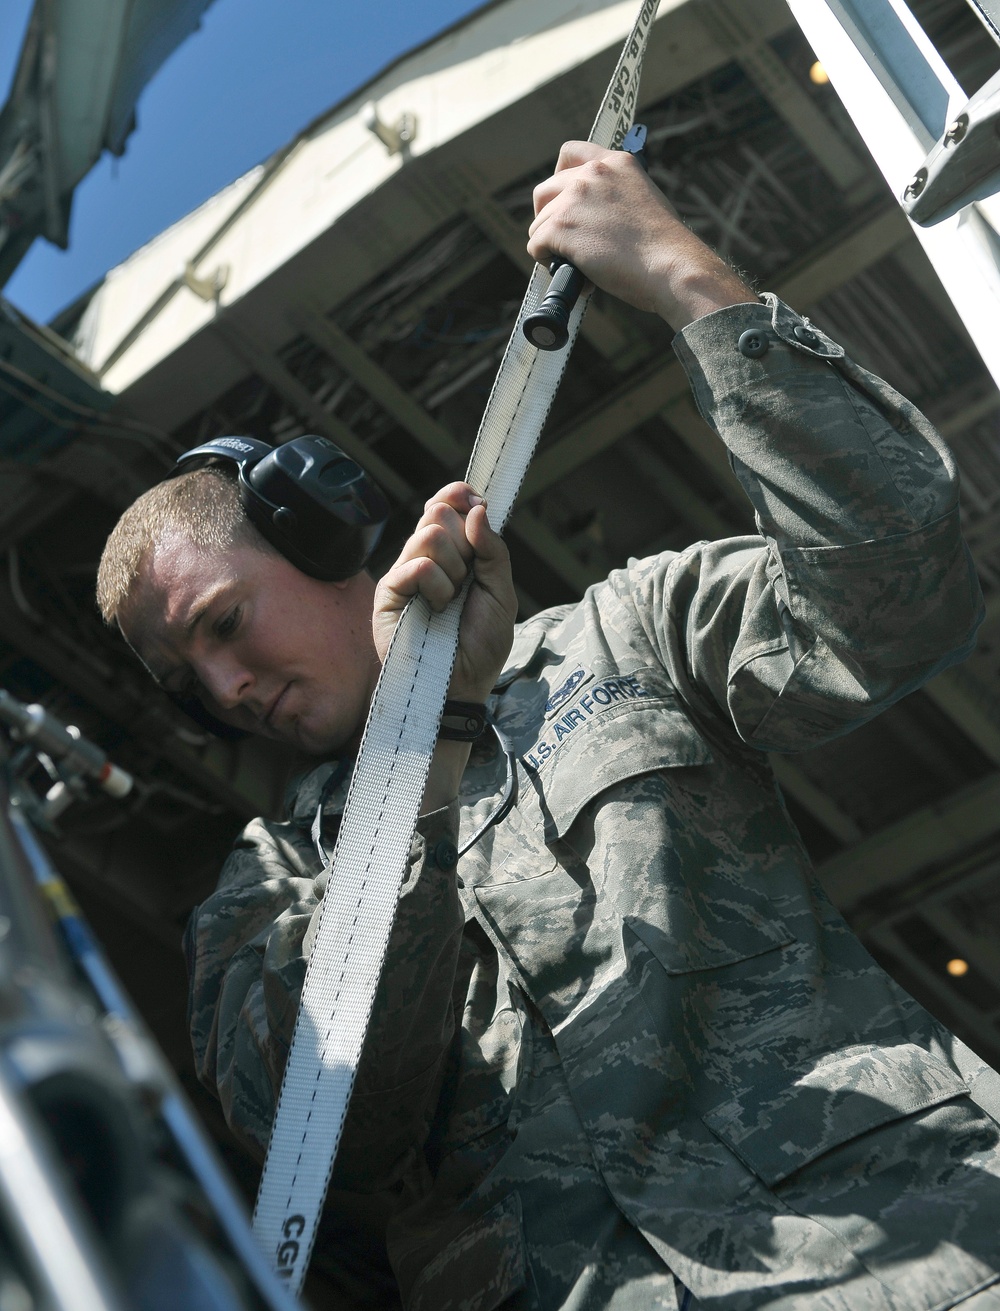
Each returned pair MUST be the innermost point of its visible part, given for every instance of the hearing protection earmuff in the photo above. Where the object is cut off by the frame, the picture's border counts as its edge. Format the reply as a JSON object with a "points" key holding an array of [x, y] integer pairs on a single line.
{"points": [[312, 502]]}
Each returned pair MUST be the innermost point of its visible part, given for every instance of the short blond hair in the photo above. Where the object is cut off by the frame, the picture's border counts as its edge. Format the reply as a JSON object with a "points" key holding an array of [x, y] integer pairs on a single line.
{"points": [[203, 505]]}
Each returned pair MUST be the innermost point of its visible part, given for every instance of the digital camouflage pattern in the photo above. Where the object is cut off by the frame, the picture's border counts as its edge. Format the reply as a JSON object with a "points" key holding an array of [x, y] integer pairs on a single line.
{"points": [[631, 1039]]}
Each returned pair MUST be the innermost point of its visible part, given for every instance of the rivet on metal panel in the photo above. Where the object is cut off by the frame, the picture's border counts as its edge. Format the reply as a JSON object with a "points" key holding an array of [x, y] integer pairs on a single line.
{"points": [[915, 185]]}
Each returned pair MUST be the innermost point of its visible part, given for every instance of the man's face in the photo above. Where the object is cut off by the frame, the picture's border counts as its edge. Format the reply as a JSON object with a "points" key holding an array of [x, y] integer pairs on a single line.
{"points": [[263, 646]]}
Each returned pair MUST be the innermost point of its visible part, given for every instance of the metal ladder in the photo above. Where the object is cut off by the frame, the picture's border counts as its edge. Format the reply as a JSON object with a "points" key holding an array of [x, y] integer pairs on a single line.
{"points": [[938, 150]]}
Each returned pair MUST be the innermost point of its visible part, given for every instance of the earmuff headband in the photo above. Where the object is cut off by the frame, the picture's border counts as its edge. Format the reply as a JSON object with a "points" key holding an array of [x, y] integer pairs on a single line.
{"points": [[312, 502]]}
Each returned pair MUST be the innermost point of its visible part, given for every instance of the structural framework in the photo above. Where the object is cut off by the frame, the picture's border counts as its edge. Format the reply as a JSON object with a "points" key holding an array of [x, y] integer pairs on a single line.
{"points": [[361, 283]]}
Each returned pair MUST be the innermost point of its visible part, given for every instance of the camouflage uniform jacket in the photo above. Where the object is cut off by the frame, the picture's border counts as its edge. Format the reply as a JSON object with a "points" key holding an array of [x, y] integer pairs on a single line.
{"points": [[629, 1036]]}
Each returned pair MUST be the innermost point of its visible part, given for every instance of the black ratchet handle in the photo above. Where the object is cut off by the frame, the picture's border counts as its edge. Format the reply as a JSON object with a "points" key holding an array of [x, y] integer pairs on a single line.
{"points": [[548, 327]]}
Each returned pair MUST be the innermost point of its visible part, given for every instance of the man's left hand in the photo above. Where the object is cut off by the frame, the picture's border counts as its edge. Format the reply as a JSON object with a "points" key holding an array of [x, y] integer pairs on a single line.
{"points": [[452, 537]]}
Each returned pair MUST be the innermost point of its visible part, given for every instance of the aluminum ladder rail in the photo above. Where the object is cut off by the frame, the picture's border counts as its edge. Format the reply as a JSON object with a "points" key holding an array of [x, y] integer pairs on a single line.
{"points": [[903, 99]]}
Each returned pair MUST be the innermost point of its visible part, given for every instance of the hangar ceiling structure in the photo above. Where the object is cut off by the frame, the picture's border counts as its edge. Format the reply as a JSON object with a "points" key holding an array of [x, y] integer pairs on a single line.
{"points": [[362, 283]]}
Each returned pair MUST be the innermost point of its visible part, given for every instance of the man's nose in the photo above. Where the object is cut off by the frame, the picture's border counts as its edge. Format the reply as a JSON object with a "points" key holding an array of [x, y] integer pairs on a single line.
{"points": [[228, 682]]}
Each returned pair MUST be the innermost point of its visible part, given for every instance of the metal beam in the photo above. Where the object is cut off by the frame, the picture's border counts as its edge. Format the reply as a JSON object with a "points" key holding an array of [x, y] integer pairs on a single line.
{"points": [[383, 388], [974, 707], [605, 328], [259, 360], [814, 800], [652, 471], [968, 415], [431, 293], [983, 536], [635, 401], [560, 559], [913, 261], [929, 838], [733, 26], [827, 269], [121, 886]]}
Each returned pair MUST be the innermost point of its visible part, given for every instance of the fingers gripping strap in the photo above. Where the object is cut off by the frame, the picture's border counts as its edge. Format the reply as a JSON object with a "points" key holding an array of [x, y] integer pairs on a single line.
{"points": [[373, 844]]}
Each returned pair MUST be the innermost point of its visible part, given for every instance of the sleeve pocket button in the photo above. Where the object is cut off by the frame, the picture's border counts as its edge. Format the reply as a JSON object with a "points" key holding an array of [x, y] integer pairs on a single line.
{"points": [[445, 854], [752, 343]]}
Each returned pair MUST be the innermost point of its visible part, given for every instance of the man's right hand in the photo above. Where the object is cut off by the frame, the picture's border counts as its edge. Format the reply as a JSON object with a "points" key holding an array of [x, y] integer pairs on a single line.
{"points": [[601, 212]]}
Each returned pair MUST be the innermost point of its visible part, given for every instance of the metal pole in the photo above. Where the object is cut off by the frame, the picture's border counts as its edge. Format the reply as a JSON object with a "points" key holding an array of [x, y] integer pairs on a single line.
{"points": [[138, 1049], [988, 13], [48, 1231], [901, 96]]}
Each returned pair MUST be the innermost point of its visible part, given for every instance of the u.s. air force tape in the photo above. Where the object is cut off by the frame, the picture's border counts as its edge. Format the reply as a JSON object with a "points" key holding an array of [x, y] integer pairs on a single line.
{"points": [[370, 857]]}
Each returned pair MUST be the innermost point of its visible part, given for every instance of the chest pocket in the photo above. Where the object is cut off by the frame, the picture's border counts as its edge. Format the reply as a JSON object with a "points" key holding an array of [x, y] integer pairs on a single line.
{"points": [[780, 1124], [553, 929], [883, 1148]]}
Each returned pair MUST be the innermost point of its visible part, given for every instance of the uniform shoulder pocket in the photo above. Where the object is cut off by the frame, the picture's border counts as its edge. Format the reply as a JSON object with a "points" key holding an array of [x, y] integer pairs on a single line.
{"points": [[612, 729]]}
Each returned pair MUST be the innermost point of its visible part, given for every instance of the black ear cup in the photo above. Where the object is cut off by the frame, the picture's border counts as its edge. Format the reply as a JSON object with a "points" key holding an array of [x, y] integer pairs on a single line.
{"points": [[312, 502]]}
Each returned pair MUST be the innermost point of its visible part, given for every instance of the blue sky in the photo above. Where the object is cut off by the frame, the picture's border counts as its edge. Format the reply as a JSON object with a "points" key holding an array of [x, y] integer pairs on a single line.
{"points": [[256, 72]]}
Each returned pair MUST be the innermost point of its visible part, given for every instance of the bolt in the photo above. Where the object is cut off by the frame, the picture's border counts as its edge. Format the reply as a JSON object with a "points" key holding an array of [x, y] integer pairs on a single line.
{"points": [[957, 130], [915, 185], [406, 127]]}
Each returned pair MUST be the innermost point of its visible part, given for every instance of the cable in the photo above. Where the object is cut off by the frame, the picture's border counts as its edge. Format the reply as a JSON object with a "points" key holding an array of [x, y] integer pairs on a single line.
{"points": [[83, 428], [337, 776], [507, 801], [16, 590], [87, 411]]}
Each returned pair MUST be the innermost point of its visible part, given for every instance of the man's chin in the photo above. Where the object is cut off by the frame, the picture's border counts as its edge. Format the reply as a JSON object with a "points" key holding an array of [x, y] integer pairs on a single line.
{"points": [[311, 739]]}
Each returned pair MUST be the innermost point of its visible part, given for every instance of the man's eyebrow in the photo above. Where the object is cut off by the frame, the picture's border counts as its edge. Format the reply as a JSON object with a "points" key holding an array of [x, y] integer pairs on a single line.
{"points": [[202, 605]]}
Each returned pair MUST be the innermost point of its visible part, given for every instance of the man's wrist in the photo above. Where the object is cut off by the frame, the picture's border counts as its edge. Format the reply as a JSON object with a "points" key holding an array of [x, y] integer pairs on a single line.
{"points": [[445, 777], [461, 690], [699, 284]]}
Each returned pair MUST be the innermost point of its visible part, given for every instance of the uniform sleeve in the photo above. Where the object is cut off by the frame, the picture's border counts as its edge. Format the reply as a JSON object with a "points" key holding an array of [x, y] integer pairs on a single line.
{"points": [[248, 946], [858, 588]]}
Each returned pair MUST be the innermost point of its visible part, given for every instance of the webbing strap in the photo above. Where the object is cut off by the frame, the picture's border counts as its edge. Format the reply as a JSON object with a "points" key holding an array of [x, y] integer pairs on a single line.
{"points": [[373, 845]]}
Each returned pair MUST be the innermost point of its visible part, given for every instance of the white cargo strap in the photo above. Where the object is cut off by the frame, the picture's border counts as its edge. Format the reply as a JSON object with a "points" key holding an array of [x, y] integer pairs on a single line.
{"points": [[372, 849]]}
